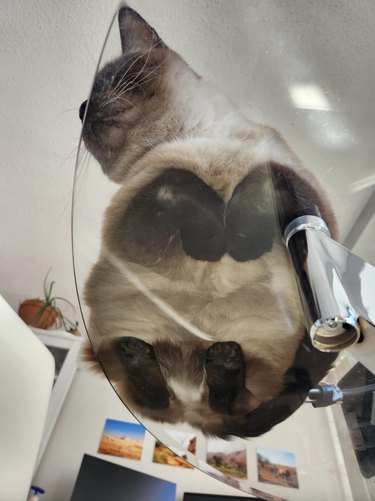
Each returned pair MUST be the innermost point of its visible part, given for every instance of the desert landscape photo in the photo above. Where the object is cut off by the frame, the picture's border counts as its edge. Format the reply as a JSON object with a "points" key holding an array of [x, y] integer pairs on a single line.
{"points": [[277, 467], [163, 455], [122, 439]]}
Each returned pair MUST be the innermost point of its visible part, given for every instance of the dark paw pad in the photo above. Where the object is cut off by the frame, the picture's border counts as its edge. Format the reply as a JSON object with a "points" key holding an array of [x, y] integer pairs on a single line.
{"points": [[134, 348], [146, 382], [227, 354]]}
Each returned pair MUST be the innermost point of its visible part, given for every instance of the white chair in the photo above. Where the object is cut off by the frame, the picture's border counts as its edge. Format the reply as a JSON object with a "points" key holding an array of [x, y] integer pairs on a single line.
{"points": [[26, 377]]}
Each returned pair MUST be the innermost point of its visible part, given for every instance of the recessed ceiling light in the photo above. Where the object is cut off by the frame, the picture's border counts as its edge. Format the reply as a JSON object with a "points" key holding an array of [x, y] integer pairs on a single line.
{"points": [[309, 96]]}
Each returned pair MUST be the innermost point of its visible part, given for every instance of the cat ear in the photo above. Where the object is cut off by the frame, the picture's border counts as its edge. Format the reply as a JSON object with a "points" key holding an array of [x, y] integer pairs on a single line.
{"points": [[136, 35]]}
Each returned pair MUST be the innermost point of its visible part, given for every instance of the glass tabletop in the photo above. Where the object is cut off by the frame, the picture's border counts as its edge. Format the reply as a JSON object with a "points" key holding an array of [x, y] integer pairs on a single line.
{"points": [[194, 278]]}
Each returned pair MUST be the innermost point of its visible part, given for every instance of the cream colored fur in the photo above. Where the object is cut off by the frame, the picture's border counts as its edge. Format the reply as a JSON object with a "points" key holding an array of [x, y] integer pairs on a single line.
{"points": [[254, 303]]}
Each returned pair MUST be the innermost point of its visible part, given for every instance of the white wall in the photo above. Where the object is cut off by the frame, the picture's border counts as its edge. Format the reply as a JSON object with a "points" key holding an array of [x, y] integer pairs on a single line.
{"points": [[48, 55], [90, 402]]}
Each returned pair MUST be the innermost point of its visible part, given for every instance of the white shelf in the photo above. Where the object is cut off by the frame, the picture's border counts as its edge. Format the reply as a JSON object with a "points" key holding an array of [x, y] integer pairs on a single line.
{"points": [[56, 339]]}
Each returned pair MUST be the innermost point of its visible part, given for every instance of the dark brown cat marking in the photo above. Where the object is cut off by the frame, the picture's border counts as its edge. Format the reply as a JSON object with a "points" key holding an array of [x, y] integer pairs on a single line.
{"points": [[225, 375], [144, 374], [176, 208]]}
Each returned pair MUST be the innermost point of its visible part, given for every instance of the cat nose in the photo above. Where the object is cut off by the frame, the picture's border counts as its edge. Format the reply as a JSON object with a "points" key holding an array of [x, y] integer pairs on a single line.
{"points": [[82, 109]]}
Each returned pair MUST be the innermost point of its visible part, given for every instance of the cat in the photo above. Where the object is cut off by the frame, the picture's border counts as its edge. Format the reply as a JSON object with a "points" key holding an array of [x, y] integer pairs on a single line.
{"points": [[194, 312]]}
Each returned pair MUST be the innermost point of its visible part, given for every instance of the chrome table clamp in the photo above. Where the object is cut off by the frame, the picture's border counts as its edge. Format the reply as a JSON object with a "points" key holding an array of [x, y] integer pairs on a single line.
{"points": [[337, 290]]}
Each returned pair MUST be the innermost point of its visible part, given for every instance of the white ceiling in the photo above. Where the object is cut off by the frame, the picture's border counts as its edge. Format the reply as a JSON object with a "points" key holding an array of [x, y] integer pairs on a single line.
{"points": [[257, 52]]}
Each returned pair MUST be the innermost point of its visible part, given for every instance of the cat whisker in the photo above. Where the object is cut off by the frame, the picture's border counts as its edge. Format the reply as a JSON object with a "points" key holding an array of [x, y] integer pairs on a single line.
{"points": [[124, 75], [109, 83], [144, 64], [73, 192], [128, 85], [70, 109], [144, 79], [81, 174], [70, 155], [154, 69], [81, 163], [133, 63], [114, 99], [125, 89], [130, 82]]}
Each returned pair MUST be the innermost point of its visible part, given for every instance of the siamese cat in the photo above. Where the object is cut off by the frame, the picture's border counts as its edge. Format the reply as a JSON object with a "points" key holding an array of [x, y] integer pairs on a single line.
{"points": [[194, 312]]}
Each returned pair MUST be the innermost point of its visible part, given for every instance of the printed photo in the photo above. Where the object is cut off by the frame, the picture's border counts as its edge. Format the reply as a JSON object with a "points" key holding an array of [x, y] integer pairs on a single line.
{"points": [[277, 467], [188, 441], [122, 439], [214, 473], [265, 495], [163, 455], [227, 457]]}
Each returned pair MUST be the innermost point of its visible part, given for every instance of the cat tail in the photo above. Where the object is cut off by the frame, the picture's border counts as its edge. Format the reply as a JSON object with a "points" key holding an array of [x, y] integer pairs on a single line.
{"points": [[88, 357]]}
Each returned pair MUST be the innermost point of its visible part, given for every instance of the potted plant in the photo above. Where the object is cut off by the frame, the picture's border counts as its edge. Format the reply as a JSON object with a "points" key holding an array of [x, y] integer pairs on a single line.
{"points": [[44, 313]]}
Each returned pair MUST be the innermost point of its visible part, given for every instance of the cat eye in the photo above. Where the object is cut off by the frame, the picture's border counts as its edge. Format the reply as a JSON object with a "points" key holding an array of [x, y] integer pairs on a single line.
{"points": [[111, 120], [108, 118]]}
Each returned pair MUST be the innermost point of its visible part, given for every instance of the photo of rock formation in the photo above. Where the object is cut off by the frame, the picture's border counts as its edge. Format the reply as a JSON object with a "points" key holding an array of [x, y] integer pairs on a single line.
{"points": [[227, 457]]}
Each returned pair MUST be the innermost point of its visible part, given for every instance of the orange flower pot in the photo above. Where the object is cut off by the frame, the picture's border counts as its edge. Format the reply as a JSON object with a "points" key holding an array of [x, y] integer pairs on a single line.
{"points": [[34, 312]]}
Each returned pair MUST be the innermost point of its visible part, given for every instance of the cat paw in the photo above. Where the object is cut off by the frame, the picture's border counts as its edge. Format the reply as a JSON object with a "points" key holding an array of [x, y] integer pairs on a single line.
{"points": [[225, 371], [136, 349], [226, 354], [146, 382]]}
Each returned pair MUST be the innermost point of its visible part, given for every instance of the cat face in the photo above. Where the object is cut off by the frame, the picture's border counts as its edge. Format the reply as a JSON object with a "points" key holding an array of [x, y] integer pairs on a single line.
{"points": [[194, 313], [133, 106]]}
